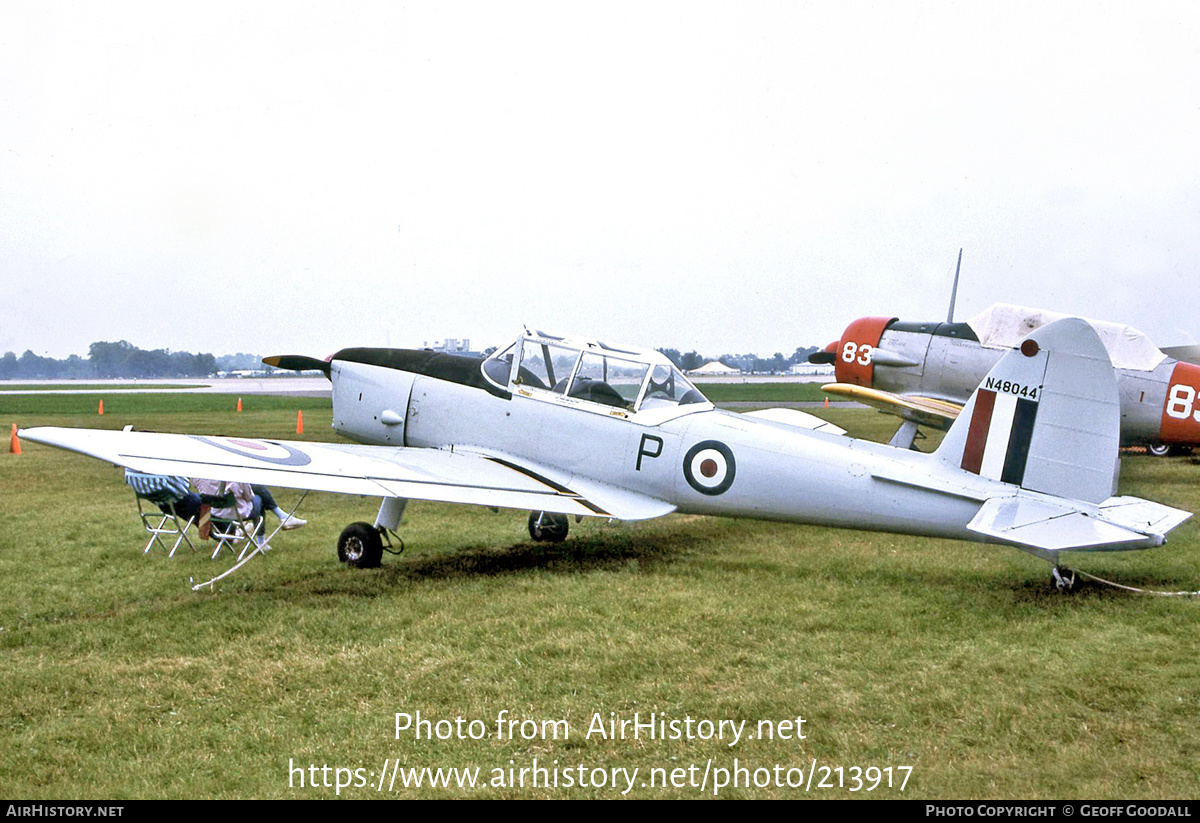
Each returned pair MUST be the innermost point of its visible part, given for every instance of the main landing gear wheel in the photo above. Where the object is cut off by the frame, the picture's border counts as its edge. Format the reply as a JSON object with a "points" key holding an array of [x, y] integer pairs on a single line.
{"points": [[1064, 579], [1159, 449], [547, 527], [360, 546]]}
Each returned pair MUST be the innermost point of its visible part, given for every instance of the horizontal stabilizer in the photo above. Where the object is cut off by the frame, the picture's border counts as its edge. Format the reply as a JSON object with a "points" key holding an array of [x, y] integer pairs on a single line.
{"points": [[1143, 515], [1045, 525]]}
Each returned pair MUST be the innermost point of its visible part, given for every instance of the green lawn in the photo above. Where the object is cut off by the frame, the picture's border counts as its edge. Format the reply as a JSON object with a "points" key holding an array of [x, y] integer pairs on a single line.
{"points": [[769, 392], [954, 660]]}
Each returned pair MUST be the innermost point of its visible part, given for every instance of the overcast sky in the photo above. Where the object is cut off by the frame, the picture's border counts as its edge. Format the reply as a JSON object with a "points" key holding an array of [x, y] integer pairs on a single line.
{"points": [[295, 177]]}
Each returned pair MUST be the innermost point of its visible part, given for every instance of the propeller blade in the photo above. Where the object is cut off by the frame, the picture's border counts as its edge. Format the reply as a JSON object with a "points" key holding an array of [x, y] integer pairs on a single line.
{"points": [[297, 362]]}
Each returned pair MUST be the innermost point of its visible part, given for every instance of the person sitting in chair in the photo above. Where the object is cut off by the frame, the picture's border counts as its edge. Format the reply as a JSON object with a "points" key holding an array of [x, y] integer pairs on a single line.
{"points": [[252, 502], [172, 494]]}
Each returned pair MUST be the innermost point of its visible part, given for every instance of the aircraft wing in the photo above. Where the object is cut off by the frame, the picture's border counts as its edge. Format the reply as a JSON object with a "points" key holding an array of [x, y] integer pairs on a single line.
{"points": [[378, 471], [925, 411]]}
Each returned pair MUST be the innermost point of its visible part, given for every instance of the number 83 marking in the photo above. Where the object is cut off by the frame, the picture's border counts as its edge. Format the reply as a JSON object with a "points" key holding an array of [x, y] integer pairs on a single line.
{"points": [[853, 352], [1182, 398]]}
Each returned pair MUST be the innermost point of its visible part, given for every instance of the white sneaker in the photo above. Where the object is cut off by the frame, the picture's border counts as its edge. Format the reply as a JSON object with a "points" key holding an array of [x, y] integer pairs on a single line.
{"points": [[292, 523]]}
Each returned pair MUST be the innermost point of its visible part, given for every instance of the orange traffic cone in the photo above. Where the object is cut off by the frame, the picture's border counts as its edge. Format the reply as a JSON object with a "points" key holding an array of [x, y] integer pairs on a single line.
{"points": [[101, 409], [300, 422], [826, 402], [239, 404], [14, 445]]}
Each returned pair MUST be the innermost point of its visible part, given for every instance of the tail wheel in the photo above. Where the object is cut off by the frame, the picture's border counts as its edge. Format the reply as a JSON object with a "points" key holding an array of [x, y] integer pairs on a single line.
{"points": [[548, 527], [360, 546], [1064, 579]]}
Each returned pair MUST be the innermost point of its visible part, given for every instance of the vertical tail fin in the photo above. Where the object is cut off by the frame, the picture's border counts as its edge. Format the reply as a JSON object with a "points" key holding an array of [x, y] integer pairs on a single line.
{"points": [[1046, 418]]}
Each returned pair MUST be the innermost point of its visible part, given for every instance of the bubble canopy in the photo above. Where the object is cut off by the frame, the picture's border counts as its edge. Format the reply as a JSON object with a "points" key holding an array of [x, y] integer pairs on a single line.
{"points": [[632, 380]]}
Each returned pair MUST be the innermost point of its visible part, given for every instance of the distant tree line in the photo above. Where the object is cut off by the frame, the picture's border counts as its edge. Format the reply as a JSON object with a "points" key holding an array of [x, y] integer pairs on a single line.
{"points": [[686, 361], [122, 359], [126, 360], [776, 364]]}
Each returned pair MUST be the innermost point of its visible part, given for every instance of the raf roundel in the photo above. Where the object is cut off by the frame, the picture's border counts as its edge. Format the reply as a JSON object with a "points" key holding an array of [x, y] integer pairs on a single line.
{"points": [[709, 467], [266, 451]]}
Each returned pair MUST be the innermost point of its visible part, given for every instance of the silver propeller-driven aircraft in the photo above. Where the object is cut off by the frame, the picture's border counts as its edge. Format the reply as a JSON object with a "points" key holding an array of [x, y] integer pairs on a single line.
{"points": [[925, 372], [564, 427]]}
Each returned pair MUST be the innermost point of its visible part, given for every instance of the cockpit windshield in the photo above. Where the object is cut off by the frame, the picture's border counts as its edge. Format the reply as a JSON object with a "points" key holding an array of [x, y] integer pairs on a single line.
{"points": [[667, 385], [628, 380]]}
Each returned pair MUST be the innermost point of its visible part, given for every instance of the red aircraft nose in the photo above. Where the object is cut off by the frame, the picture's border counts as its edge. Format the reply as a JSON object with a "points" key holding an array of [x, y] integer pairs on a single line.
{"points": [[853, 360], [1181, 412]]}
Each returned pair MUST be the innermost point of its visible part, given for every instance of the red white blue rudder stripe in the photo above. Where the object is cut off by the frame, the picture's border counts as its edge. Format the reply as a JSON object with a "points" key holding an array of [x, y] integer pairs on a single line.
{"points": [[998, 439]]}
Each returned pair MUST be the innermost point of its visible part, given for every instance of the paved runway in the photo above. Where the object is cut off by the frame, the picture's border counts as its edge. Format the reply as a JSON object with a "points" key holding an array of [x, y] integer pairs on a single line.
{"points": [[292, 386]]}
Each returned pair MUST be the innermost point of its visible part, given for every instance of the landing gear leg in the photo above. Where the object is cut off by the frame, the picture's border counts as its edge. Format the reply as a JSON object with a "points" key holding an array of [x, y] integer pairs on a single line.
{"points": [[388, 520], [390, 512], [1064, 579]]}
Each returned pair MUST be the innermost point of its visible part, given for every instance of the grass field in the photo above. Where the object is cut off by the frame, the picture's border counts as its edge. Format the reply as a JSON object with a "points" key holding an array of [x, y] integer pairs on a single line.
{"points": [[954, 660], [768, 392]]}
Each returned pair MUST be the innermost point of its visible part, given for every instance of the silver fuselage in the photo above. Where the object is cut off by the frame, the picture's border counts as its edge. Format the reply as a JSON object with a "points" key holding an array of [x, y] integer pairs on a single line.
{"points": [[779, 472]]}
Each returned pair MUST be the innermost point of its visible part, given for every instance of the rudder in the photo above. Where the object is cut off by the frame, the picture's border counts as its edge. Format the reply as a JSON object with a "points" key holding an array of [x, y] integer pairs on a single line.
{"points": [[1046, 418]]}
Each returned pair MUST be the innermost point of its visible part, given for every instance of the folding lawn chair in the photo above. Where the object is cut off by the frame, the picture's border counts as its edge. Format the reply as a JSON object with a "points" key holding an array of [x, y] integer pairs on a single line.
{"points": [[233, 533], [236, 532], [160, 500]]}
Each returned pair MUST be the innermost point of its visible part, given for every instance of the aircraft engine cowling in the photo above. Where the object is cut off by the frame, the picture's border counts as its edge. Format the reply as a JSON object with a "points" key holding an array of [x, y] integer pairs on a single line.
{"points": [[853, 360], [370, 402]]}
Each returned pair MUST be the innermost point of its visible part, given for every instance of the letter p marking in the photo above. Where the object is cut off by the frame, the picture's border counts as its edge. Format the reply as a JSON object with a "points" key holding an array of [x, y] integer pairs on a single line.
{"points": [[644, 452]]}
